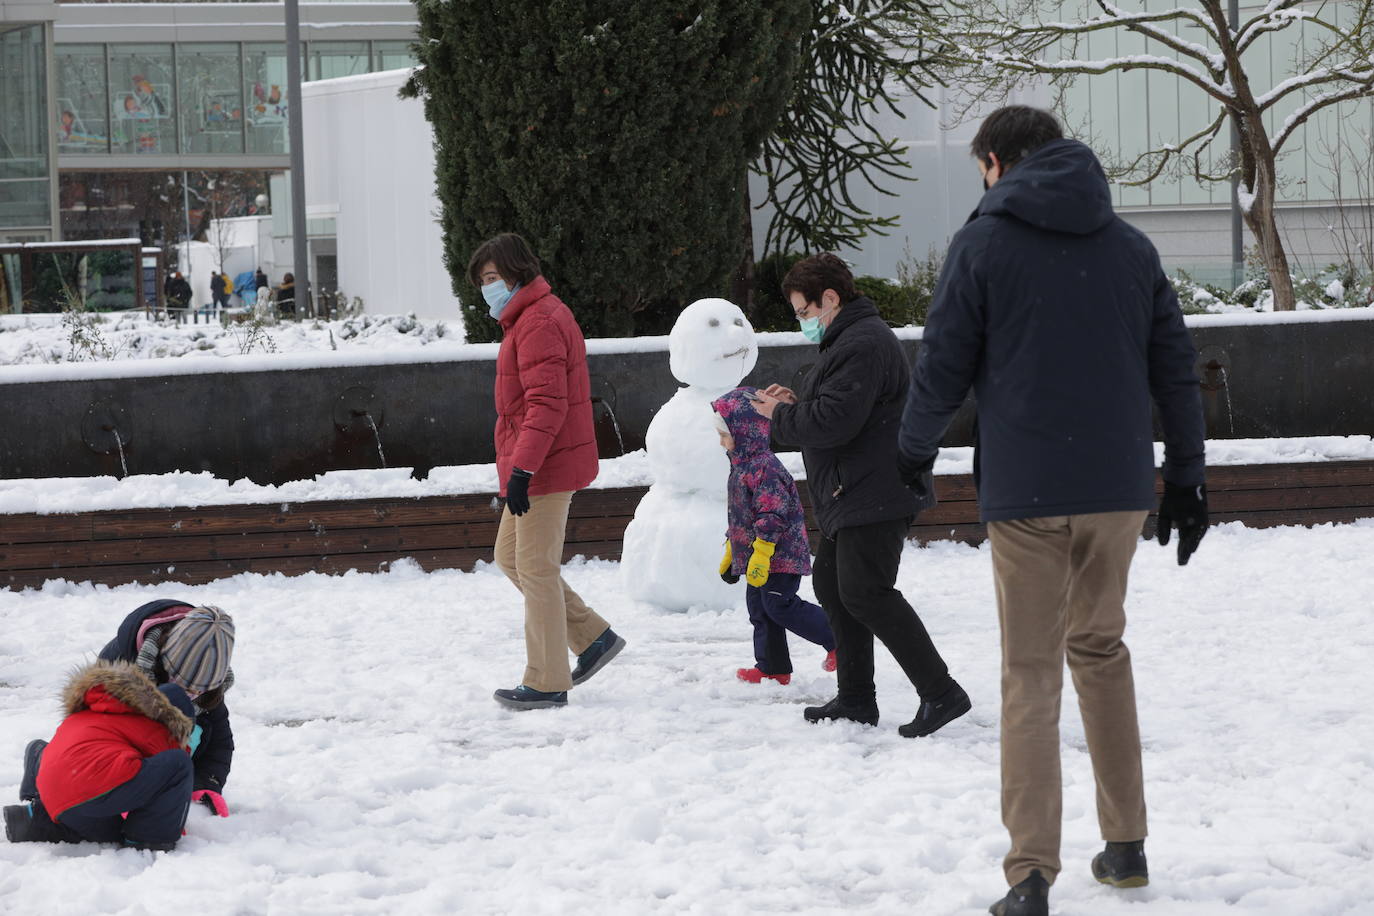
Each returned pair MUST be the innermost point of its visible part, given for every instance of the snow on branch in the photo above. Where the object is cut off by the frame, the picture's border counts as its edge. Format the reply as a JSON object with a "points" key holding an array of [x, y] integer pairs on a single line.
{"points": [[1144, 25], [1222, 92], [1359, 72], [1306, 110], [1272, 19]]}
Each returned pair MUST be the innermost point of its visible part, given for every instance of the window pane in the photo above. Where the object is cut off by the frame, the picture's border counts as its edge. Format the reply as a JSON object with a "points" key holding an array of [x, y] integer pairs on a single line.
{"points": [[141, 99], [82, 100], [209, 98], [392, 55], [23, 127], [329, 59], [264, 82], [23, 202]]}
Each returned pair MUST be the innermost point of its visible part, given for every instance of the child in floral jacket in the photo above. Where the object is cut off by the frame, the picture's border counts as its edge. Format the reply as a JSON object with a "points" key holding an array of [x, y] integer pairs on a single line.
{"points": [[766, 542]]}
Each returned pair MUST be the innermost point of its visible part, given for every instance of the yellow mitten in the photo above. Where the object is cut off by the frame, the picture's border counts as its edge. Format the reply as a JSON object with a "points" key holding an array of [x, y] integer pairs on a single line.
{"points": [[726, 562], [757, 572]]}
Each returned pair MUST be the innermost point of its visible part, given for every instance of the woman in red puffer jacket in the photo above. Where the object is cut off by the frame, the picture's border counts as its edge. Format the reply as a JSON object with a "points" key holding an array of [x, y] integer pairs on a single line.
{"points": [[545, 451]]}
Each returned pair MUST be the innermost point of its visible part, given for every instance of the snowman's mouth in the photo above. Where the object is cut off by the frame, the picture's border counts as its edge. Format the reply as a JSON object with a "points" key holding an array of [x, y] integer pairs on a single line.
{"points": [[742, 351]]}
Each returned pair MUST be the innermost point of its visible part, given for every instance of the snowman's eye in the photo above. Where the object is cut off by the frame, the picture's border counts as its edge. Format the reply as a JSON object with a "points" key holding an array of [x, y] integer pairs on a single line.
{"points": [[714, 322], [739, 322]]}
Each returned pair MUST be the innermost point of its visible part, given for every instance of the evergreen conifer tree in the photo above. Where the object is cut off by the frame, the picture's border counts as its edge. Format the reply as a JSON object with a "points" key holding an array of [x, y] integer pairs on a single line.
{"points": [[614, 135]]}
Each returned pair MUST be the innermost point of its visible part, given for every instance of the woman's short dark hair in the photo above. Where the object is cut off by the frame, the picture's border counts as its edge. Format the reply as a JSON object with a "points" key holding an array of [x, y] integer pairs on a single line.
{"points": [[812, 276], [1013, 133], [511, 254]]}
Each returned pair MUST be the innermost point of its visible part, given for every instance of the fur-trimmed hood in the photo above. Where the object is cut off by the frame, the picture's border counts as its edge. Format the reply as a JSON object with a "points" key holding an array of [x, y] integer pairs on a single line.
{"points": [[119, 687]]}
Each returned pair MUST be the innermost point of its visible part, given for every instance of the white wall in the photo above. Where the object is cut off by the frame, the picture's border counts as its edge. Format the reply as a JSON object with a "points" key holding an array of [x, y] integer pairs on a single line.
{"points": [[369, 159]]}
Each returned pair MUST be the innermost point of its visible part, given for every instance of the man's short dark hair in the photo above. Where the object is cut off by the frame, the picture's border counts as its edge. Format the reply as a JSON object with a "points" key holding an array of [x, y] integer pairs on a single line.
{"points": [[812, 276], [511, 254], [1013, 133]]}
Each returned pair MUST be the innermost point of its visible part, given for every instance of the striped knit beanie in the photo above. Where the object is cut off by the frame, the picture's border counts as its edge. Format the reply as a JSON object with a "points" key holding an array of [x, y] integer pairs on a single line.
{"points": [[196, 652]]}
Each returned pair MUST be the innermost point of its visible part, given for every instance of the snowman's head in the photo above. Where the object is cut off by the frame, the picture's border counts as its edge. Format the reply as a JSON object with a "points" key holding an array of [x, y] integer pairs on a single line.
{"points": [[712, 345]]}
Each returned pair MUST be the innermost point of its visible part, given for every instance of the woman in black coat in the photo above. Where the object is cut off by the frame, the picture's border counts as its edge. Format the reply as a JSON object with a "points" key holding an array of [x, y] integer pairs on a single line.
{"points": [[845, 419]]}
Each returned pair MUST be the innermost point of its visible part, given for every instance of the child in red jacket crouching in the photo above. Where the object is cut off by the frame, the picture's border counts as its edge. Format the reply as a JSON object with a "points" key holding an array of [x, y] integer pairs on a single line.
{"points": [[118, 770]]}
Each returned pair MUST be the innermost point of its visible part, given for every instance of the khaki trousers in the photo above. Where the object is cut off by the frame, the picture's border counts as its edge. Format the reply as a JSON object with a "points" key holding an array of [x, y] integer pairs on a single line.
{"points": [[1061, 586], [529, 550]]}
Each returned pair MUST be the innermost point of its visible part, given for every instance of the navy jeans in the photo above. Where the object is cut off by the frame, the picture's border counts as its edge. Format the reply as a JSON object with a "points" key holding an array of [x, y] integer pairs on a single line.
{"points": [[157, 799], [776, 608]]}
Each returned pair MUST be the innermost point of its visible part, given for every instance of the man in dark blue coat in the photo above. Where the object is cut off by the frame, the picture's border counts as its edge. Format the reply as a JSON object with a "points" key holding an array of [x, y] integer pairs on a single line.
{"points": [[1059, 316], [845, 419]]}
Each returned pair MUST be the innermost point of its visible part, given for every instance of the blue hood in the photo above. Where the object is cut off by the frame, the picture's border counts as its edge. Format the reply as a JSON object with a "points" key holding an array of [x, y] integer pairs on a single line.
{"points": [[1060, 187]]}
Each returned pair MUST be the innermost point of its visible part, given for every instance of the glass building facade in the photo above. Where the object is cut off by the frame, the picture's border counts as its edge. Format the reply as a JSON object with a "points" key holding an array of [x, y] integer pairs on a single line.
{"points": [[25, 152], [196, 98]]}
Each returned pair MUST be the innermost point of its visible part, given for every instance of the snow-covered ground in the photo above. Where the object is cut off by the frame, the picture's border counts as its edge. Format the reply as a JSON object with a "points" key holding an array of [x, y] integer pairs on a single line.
{"points": [[375, 774]]}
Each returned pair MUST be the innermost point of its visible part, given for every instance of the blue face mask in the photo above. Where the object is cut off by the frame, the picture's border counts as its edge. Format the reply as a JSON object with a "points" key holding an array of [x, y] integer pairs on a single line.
{"points": [[497, 296]]}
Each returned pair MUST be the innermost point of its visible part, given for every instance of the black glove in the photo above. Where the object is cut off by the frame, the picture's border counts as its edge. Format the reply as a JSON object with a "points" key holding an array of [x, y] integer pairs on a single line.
{"points": [[918, 475], [1184, 508], [518, 492], [730, 578]]}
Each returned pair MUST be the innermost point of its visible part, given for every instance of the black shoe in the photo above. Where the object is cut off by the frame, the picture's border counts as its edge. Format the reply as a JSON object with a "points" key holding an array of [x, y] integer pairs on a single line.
{"points": [[1029, 898], [29, 823], [28, 786], [937, 713], [149, 847], [604, 648], [523, 697], [1122, 865], [865, 713]]}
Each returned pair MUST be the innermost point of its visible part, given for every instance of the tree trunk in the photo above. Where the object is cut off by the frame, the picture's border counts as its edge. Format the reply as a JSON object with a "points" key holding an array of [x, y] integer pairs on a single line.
{"points": [[742, 287], [1260, 218]]}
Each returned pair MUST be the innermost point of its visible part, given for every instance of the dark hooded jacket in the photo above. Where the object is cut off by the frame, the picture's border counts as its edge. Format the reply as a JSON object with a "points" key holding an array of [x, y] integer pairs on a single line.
{"points": [[214, 755], [763, 498], [846, 419], [1058, 315], [115, 719]]}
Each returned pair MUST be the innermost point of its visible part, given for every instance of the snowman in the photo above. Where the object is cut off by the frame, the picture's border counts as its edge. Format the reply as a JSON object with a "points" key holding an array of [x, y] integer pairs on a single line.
{"points": [[672, 547]]}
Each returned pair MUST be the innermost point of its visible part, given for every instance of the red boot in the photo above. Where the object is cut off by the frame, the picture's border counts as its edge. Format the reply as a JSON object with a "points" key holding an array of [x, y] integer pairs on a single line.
{"points": [[755, 676], [829, 663]]}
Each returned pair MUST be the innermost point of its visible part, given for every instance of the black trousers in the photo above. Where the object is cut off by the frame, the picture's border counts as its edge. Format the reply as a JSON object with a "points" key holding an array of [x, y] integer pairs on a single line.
{"points": [[855, 577]]}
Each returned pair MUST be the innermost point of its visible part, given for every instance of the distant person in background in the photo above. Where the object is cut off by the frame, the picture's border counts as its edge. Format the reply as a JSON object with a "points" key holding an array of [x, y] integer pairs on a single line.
{"points": [[261, 280], [178, 291], [286, 296], [219, 295]]}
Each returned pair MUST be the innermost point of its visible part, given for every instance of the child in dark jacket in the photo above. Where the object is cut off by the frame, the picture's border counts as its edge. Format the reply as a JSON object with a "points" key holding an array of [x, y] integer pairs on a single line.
{"points": [[118, 769], [766, 542], [174, 642]]}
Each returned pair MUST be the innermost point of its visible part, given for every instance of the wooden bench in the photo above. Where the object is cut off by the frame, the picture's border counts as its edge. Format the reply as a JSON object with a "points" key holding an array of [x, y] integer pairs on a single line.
{"points": [[195, 545]]}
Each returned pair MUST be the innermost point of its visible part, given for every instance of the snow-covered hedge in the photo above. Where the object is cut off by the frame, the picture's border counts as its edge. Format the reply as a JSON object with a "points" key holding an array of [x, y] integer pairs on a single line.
{"points": [[1334, 287], [75, 337]]}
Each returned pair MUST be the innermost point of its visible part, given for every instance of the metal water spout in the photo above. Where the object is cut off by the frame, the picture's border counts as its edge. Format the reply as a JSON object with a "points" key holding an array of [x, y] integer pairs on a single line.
{"points": [[1213, 369], [376, 434], [105, 430], [358, 411]]}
